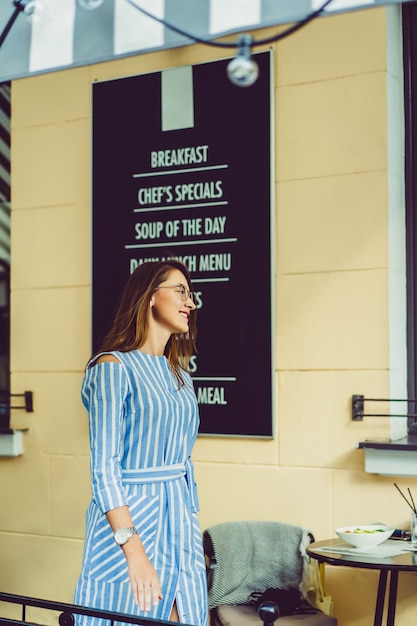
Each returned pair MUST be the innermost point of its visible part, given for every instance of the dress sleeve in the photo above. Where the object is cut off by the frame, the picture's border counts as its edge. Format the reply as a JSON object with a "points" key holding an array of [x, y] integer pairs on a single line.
{"points": [[104, 391]]}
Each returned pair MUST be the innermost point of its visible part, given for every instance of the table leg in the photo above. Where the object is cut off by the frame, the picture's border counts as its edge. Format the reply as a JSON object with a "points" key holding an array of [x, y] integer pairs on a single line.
{"points": [[392, 598], [379, 609]]}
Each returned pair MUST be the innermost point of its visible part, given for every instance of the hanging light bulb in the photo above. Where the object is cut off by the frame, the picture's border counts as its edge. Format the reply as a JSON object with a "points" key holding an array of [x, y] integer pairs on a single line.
{"points": [[90, 5], [242, 70], [33, 9]]}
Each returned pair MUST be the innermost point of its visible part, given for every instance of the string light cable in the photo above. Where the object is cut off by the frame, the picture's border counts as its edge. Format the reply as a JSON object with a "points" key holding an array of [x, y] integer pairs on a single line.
{"points": [[224, 44], [242, 70]]}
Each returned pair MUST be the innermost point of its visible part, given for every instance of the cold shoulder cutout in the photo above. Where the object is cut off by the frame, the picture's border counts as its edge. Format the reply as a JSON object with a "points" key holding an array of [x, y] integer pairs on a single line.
{"points": [[106, 357]]}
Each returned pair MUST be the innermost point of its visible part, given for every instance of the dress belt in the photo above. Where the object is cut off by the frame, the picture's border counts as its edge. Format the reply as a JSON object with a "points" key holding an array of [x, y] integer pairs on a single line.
{"points": [[159, 474], [162, 474]]}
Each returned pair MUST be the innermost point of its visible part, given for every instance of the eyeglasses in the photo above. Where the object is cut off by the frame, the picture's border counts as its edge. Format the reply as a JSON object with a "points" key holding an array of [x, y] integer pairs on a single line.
{"points": [[181, 289]]}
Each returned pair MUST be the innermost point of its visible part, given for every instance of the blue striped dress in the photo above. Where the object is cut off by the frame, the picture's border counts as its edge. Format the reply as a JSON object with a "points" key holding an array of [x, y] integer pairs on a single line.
{"points": [[142, 431]]}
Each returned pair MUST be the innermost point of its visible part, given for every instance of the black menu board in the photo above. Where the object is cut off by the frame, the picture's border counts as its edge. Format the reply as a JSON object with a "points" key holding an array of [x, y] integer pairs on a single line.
{"points": [[201, 194]]}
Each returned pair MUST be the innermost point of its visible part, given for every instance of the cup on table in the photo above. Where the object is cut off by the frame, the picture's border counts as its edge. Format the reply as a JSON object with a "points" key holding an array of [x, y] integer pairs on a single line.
{"points": [[413, 528]]}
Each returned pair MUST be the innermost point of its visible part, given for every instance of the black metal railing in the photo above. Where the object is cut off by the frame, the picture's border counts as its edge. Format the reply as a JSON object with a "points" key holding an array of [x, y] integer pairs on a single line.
{"points": [[268, 613]]}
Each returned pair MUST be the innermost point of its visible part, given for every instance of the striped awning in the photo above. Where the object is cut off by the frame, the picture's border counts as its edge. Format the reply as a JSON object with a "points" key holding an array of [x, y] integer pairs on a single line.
{"points": [[4, 175], [65, 34]]}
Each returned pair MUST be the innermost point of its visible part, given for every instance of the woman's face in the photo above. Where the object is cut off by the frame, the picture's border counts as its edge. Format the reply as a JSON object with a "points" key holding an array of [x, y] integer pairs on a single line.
{"points": [[168, 307]]}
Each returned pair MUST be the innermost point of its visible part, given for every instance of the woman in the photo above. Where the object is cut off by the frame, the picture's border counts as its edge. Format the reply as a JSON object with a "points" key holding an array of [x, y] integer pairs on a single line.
{"points": [[143, 550]]}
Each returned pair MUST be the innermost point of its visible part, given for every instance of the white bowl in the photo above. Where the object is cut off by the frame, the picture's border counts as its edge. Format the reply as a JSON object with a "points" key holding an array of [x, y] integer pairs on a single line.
{"points": [[365, 535]]}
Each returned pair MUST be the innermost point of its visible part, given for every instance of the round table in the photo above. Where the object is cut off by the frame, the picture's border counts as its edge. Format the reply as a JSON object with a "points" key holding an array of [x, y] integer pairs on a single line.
{"points": [[391, 565]]}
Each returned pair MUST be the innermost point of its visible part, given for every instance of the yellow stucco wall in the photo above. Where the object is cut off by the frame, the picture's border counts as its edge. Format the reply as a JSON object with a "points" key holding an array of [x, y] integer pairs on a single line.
{"points": [[331, 327]]}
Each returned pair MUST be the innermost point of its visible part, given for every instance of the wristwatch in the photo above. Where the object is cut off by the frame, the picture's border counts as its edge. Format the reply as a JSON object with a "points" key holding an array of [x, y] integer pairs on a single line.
{"points": [[122, 535]]}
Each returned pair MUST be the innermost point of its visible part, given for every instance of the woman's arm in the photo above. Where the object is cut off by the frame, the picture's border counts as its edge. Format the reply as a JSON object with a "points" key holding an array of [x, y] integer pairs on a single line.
{"points": [[104, 396]]}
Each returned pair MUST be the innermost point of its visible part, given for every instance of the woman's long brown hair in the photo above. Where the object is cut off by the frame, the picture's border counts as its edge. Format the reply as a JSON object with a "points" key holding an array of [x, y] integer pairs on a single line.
{"points": [[129, 327]]}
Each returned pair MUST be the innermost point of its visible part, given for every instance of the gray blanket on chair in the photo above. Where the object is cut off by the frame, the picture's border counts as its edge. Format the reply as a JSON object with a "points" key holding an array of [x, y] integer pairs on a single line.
{"points": [[255, 556]]}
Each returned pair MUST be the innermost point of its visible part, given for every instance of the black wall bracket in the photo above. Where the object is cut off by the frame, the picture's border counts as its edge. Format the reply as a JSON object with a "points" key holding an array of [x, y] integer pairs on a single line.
{"points": [[358, 407], [28, 396]]}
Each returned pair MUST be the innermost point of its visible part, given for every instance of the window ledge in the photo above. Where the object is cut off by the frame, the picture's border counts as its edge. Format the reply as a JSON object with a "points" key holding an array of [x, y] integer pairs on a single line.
{"points": [[11, 443], [391, 458]]}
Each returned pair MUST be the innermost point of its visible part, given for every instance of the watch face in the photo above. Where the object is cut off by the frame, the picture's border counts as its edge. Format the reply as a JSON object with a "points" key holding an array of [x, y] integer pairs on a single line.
{"points": [[122, 535]]}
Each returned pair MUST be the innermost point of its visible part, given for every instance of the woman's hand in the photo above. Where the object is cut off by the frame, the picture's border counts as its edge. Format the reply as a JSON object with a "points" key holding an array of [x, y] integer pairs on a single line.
{"points": [[143, 578], [142, 575]]}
